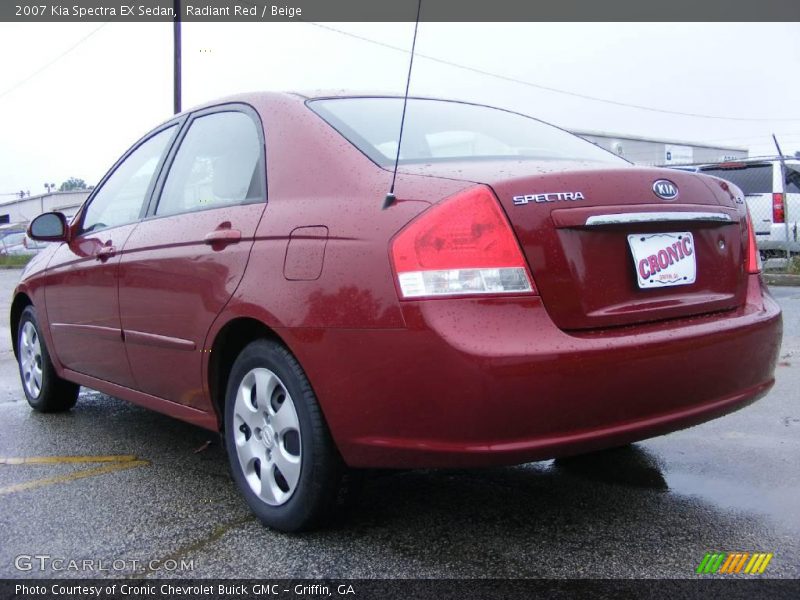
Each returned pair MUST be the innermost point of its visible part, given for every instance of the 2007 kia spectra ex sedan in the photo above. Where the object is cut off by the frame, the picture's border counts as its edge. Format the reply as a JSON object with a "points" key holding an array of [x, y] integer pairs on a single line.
{"points": [[526, 296]]}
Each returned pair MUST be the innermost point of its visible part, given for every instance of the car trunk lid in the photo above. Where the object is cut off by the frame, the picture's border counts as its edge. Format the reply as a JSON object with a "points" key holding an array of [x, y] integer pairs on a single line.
{"points": [[585, 230]]}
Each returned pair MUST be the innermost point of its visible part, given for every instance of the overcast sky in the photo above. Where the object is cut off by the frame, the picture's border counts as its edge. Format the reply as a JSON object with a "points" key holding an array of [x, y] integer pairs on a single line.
{"points": [[77, 115]]}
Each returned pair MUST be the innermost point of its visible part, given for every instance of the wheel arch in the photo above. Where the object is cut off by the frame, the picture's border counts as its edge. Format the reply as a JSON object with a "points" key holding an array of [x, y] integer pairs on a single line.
{"points": [[228, 343], [20, 303]]}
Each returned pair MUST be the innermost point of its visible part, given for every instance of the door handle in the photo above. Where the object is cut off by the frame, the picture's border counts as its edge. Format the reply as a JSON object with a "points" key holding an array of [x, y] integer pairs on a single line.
{"points": [[105, 252], [223, 237]]}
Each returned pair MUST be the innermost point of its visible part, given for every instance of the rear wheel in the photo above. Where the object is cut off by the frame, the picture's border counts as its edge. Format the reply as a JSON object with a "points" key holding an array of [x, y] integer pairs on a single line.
{"points": [[44, 389], [280, 451]]}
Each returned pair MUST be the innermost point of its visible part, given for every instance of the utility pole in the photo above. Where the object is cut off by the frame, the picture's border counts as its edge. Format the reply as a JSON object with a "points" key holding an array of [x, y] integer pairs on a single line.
{"points": [[176, 57]]}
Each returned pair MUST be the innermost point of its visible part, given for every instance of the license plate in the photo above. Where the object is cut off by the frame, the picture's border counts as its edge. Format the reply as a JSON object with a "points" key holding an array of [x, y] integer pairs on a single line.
{"points": [[663, 259]]}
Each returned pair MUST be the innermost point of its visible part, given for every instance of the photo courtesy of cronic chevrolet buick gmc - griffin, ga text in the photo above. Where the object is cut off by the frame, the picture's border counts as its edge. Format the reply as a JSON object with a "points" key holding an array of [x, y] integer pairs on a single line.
{"points": [[527, 295]]}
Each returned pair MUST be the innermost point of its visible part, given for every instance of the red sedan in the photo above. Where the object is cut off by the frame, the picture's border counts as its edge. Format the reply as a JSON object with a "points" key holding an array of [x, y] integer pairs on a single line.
{"points": [[527, 295]]}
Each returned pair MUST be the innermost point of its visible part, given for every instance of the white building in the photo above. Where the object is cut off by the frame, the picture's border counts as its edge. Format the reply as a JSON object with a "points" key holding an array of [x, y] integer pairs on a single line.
{"points": [[662, 153], [23, 210]]}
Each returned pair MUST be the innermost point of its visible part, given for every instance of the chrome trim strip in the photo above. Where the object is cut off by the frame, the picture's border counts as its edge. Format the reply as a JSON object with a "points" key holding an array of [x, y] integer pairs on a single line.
{"points": [[106, 333], [656, 217], [162, 341]]}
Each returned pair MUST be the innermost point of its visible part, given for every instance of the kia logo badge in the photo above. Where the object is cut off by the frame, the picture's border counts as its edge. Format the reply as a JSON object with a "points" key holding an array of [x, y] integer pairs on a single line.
{"points": [[664, 188]]}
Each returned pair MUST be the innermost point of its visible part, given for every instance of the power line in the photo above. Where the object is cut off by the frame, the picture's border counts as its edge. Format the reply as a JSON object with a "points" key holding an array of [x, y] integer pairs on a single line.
{"points": [[543, 87], [52, 62]]}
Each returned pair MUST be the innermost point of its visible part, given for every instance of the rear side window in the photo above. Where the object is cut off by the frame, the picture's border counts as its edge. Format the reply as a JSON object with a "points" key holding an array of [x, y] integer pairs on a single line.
{"points": [[217, 164], [752, 179], [438, 130], [119, 201], [793, 179]]}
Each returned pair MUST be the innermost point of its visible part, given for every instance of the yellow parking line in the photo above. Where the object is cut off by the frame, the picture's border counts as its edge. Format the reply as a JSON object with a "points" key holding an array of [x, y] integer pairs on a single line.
{"points": [[114, 463], [57, 460]]}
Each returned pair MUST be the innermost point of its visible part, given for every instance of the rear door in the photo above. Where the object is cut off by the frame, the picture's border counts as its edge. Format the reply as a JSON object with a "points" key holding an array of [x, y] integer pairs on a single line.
{"points": [[184, 261], [792, 202]]}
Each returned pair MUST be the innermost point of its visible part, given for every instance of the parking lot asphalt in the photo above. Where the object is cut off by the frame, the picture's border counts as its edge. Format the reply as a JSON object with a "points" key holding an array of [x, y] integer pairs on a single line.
{"points": [[650, 510]]}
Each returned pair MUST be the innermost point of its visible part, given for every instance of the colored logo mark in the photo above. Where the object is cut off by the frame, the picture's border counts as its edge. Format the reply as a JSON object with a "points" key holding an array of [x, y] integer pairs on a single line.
{"points": [[734, 562]]}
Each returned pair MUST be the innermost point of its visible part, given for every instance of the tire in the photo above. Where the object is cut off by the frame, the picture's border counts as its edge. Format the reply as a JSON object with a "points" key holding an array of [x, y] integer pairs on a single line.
{"points": [[45, 390], [281, 453]]}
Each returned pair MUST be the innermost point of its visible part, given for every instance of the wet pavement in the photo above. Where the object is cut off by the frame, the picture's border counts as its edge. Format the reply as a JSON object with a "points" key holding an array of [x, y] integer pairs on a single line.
{"points": [[650, 510]]}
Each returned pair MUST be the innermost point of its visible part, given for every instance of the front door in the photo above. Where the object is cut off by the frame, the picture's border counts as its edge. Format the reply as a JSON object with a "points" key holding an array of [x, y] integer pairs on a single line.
{"points": [[81, 293]]}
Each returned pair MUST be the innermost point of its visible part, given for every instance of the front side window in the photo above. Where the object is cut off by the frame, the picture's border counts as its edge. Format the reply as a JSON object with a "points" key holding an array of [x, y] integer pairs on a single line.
{"points": [[439, 130], [120, 200], [218, 164]]}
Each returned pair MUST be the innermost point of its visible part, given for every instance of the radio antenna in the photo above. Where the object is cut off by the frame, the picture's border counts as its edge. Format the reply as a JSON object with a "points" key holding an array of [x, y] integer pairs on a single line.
{"points": [[390, 197]]}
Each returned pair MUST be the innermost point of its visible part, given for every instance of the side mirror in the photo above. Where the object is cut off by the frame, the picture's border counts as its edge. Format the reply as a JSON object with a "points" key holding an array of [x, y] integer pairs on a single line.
{"points": [[49, 227]]}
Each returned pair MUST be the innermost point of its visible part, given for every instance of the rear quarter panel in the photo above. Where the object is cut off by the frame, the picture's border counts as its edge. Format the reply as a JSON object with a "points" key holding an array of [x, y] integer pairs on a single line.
{"points": [[317, 179]]}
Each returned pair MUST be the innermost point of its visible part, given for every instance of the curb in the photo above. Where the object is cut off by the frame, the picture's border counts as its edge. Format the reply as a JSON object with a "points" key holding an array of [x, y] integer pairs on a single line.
{"points": [[781, 279]]}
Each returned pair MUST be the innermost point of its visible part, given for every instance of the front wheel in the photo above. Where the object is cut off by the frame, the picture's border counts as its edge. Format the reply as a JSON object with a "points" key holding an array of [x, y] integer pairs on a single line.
{"points": [[280, 451], [44, 389]]}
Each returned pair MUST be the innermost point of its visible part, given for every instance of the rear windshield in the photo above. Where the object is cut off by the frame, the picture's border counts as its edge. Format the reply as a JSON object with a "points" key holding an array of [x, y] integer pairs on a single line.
{"points": [[438, 130], [752, 179]]}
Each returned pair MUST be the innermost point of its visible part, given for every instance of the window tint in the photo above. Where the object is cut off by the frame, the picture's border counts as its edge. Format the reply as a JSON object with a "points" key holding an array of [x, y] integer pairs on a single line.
{"points": [[437, 130], [217, 164], [120, 199], [752, 179]]}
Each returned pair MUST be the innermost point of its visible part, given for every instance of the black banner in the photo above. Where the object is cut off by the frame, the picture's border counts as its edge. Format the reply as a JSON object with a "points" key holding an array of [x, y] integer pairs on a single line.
{"points": [[397, 10], [381, 589]]}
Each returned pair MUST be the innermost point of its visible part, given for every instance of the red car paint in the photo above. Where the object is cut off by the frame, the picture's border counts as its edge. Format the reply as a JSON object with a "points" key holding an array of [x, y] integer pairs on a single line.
{"points": [[585, 362]]}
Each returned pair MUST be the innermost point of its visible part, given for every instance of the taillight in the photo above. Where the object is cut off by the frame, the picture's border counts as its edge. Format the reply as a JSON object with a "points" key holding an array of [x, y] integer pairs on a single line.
{"points": [[753, 258], [463, 245], [778, 210]]}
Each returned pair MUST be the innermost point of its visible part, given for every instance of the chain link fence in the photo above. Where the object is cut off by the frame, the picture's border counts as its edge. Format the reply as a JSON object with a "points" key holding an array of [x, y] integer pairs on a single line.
{"points": [[772, 192]]}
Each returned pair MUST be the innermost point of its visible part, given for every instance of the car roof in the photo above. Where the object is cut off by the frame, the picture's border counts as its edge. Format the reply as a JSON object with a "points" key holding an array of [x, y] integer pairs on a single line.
{"points": [[261, 97], [344, 93]]}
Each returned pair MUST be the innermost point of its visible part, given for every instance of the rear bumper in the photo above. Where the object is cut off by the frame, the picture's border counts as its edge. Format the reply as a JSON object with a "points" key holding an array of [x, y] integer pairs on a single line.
{"points": [[475, 382]]}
